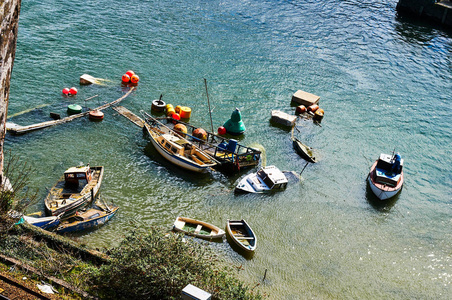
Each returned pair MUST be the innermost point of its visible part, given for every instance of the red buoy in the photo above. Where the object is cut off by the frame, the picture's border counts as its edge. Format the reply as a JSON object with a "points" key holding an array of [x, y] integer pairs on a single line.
{"points": [[221, 130], [125, 78], [73, 91], [175, 116], [313, 108], [134, 78], [65, 91], [130, 73]]}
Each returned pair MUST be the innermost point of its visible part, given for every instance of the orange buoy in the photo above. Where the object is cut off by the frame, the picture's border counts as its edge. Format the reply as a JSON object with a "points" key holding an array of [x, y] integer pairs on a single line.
{"points": [[200, 133], [96, 115], [65, 91], [177, 109], [185, 112], [125, 78], [313, 108], [318, 115], [181, 129], [134, 78], [130, 73], [73, 91], [300, 109]]}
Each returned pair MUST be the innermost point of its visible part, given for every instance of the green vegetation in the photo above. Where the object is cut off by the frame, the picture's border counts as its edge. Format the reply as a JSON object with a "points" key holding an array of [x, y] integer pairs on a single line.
{"points": [[152, 265]]}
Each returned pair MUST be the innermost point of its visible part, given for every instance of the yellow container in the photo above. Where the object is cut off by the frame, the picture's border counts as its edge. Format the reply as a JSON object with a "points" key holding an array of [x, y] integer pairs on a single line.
{"points": [[185, 112], [170, 111], [177, 109]]}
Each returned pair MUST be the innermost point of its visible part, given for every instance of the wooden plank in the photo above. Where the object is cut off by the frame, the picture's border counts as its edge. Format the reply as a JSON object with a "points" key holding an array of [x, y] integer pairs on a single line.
{"points": [[129, 115], [24, 129]]}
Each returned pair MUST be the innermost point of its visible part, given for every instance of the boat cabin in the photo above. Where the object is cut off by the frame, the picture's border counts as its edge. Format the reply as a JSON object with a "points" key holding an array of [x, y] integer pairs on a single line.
{"points": [[78, 176], [388, 170], [272, 177]]}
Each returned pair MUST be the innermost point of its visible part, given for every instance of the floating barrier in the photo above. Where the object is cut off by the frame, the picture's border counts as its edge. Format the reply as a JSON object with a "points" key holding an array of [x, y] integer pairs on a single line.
{"points": [[235, 125], [200, 133], [221, 130], [134, 79], [125, 78], [158, 105]]}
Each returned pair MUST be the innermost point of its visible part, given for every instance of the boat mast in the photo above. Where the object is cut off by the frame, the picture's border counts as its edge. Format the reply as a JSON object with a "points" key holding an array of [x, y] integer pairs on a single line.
{"points": [[208, 102]]}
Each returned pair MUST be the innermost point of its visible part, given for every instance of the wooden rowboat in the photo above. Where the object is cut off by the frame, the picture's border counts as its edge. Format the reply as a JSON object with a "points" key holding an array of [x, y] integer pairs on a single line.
{"points": [[241, 235], [197, 228], [88, 218], [303, 150], [75, 189], [177, 149]]}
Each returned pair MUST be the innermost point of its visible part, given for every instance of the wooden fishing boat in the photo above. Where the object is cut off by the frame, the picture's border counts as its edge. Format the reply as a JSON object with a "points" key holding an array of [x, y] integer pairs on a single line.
{"points": [[197, 228], [241, 235], [88, 218], [47, 223], [75, 189], [303, 150], [386, 176], [267, 179], [177, 149]]}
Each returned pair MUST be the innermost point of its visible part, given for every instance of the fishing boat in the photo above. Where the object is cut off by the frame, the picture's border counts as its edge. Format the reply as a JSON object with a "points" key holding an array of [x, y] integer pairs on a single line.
{"points": [[197, 228], [241, 235], [267, 179], [386, 176], [88, 218], [303, 150], [75, 189], [47, 223], [176, 149]]}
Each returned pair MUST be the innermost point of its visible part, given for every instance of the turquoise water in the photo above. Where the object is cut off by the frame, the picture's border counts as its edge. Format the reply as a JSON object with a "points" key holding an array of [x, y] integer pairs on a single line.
{"points": [[384, 82]]}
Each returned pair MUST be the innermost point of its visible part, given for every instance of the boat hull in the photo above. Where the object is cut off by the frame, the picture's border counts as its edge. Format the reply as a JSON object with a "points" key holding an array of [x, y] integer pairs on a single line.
{"points": [[67, 227], [241, 235], [176, 159], [199, 227], [44, 223], [304, 151], [382, 191]]}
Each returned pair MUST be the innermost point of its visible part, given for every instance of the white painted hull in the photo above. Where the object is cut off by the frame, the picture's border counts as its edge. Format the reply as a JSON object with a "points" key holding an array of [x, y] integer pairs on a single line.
{"points": [[382, 194]]}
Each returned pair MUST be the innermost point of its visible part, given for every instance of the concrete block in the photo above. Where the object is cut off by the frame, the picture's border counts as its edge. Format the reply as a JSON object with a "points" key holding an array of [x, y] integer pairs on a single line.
{"points": [[191, 292], [283, 118], [305, 98]]}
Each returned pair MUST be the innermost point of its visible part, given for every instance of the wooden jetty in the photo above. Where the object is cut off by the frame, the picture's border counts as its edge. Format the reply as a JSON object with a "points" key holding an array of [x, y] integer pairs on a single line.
{"points": [[17, 129], [130, 115], [439, 11]]}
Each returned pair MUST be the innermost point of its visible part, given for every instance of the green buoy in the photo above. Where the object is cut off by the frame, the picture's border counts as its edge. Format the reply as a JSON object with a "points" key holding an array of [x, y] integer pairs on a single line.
{"points": [[235, 125], [74, 109]]}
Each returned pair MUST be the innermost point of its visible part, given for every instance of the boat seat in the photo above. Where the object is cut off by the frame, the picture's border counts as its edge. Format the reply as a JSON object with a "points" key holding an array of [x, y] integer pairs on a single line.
{"points": [[244, 237], [236, 223], [198, 229]]}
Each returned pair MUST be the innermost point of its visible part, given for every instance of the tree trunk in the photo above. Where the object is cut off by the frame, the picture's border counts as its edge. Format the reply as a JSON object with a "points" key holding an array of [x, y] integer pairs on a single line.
{"points": [[9, 24]]}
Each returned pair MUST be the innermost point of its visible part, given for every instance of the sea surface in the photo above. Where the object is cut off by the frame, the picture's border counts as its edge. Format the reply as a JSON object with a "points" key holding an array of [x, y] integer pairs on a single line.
{"points": [[384, 81]]}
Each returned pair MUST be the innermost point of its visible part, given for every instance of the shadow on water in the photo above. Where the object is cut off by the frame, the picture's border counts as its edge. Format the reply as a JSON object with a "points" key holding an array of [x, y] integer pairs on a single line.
{"points": [[415, 30], [380, 205], [236, 248]]}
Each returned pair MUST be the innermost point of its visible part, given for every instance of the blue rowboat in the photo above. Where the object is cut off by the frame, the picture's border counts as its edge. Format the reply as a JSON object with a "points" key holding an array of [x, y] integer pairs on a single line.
{"points": [[88, 219], [47, 223]]}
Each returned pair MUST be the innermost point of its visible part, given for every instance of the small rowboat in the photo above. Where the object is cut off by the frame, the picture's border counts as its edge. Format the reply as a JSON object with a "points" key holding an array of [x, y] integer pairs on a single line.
{"points": [[197, 228], [47, 223], [88, 218], [242, 235], [303, 150]]}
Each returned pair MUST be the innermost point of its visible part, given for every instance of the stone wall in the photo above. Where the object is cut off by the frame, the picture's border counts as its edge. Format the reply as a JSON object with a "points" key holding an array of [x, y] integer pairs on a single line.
{"points": [[9, 24]]}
